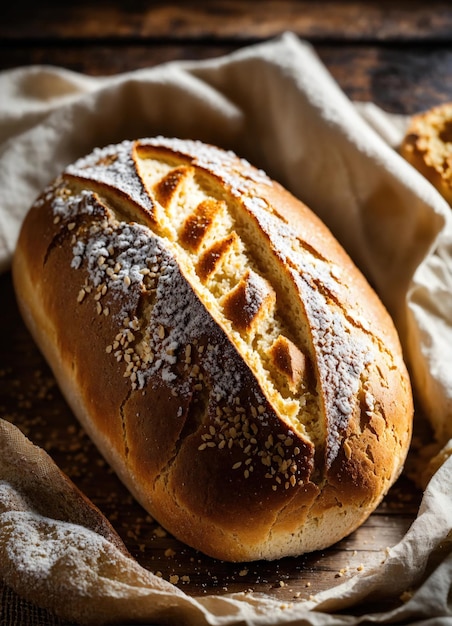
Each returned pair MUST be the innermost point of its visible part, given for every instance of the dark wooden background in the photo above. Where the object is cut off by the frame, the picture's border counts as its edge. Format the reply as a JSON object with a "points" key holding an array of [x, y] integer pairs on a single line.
{"points": [[396, 54]]}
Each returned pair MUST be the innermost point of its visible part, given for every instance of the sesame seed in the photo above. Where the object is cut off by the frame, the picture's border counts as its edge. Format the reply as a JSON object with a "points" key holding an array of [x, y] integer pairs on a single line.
{"points": [[71, 226], [284, 465], [134, 324], [237, 465]]}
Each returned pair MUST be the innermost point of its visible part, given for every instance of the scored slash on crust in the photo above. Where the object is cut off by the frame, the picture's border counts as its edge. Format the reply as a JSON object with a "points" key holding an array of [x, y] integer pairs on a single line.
{"points": [[245, 299]]}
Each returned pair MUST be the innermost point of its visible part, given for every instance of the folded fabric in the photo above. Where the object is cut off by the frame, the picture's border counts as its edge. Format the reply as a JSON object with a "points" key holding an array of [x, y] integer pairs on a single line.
{"points": [[276, 105], [58, 550]]}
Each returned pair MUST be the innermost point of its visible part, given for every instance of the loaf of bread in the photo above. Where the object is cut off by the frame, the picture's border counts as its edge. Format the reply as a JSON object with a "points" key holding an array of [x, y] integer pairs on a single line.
{"points": [[218, 345], [427, 145]]}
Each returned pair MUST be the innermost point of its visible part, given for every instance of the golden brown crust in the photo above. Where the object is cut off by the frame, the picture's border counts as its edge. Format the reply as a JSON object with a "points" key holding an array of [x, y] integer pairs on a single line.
{"points": [[427, 145], [218, 345]]}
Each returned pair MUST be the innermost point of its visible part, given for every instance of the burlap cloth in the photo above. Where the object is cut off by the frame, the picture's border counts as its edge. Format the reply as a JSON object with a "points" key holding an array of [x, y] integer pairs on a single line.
{"points": [[276, 105]]}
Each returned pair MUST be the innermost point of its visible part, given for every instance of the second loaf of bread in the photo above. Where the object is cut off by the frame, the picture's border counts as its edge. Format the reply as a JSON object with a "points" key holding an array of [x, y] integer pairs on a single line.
{"points": [[427, 145], [218, 345]]}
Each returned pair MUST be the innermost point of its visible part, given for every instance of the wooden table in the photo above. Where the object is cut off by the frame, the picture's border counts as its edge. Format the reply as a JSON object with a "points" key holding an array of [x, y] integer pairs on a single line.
{"points": [[396, 54]]}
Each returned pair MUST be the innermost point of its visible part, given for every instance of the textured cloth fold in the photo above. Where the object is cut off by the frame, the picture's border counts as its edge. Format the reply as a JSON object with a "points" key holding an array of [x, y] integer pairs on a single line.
{"points": [[276, 105]]}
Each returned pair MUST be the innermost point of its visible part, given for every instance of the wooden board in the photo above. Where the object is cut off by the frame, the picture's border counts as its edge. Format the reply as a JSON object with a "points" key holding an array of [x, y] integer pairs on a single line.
{"points": [[235, 20]]}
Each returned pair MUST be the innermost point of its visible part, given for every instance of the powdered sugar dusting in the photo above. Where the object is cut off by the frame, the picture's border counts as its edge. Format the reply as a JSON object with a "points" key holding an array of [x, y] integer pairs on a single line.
{"points": [[35, 555], [238, 174], [342, 357], [120, 174], [42, 556], [128, 259], [342, 362]]}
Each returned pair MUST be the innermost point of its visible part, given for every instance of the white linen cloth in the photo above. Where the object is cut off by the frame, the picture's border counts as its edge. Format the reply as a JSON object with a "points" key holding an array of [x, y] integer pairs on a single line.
{"points": [[276, 105]]}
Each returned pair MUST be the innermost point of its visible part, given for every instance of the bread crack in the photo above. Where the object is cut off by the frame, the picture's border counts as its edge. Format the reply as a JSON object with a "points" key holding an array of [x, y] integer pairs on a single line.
{"points": [[212, 246]]}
